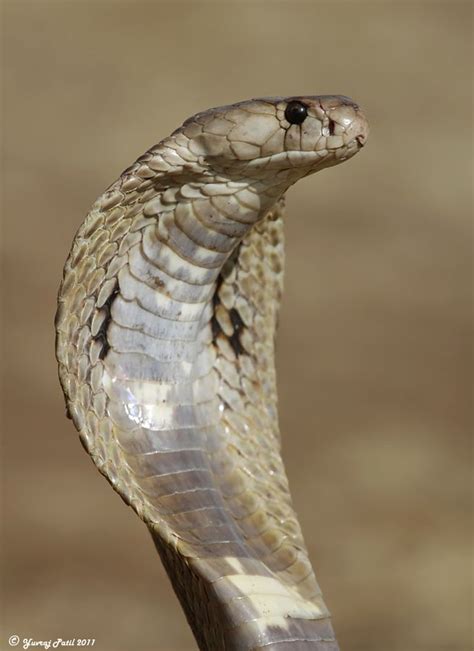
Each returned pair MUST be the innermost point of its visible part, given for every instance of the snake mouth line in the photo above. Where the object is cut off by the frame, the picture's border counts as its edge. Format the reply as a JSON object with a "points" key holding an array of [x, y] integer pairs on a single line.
{"points": [[296, 158]]}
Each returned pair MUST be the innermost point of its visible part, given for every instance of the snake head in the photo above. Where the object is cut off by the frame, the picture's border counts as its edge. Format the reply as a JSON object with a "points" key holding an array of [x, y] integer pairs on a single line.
{"points": [[276, 139]]}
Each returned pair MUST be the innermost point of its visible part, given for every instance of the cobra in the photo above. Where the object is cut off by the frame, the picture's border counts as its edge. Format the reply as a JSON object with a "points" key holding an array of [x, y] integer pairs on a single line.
{"points": [[166, 325]]}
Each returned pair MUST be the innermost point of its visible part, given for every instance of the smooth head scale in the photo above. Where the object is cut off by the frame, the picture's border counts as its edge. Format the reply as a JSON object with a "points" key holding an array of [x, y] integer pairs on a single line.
{"points": [[165, 341], [255, 139]]}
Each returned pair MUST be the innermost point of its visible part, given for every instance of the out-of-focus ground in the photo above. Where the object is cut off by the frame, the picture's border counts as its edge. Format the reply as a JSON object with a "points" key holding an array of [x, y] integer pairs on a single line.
{"points": [[373, 350]]}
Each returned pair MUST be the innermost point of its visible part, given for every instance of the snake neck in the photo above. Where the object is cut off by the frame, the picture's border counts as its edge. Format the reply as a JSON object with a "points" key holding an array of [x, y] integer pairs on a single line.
{"points": [[170, 314]]}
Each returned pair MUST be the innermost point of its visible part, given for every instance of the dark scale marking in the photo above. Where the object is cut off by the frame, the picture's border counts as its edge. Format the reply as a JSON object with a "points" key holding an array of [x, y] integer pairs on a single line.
{"points": [[101, 336], [236, 320], [238, 324], [235, 317], [215, 327], [236, 345]]}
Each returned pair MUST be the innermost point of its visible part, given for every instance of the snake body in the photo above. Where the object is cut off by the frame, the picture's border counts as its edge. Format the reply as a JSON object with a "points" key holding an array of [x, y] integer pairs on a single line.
{"points": [[166, 324]]}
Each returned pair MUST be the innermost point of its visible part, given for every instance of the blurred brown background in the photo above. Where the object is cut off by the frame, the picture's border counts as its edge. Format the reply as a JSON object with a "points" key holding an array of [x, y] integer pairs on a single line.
{"points": [[373, 352]]}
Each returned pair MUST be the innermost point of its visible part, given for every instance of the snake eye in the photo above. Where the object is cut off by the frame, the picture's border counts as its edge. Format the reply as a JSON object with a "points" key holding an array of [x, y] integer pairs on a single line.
{"points": [[295, 112]]}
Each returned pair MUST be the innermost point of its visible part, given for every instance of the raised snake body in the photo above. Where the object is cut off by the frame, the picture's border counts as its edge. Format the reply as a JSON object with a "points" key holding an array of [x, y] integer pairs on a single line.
{"points": [[165, 341]]}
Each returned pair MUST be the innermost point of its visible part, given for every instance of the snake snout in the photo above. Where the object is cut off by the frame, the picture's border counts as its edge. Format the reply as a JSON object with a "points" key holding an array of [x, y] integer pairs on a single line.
{"points": [[360, 127], [346, 117], [361, 139], [356, 127]]}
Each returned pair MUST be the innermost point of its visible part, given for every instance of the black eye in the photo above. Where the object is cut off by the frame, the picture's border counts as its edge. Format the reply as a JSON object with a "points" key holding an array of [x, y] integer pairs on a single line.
{"points": [[295, 112]]}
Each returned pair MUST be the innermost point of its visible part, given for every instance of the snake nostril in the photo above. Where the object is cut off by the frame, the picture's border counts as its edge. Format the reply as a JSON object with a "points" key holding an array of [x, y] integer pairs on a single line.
{"points": [[332, 127]]}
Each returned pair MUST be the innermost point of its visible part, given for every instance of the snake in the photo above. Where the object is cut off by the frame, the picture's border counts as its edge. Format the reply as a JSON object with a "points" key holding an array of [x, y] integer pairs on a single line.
{"points": [[165, 340]]}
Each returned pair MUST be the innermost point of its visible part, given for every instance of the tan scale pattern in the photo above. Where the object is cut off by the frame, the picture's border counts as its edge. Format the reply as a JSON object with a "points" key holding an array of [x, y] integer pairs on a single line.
{"points": [[247, 386], [166, 325]]}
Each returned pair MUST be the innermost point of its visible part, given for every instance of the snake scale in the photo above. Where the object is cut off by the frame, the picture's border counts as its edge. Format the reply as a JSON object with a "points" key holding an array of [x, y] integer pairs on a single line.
{"points": [[166, 323]]}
